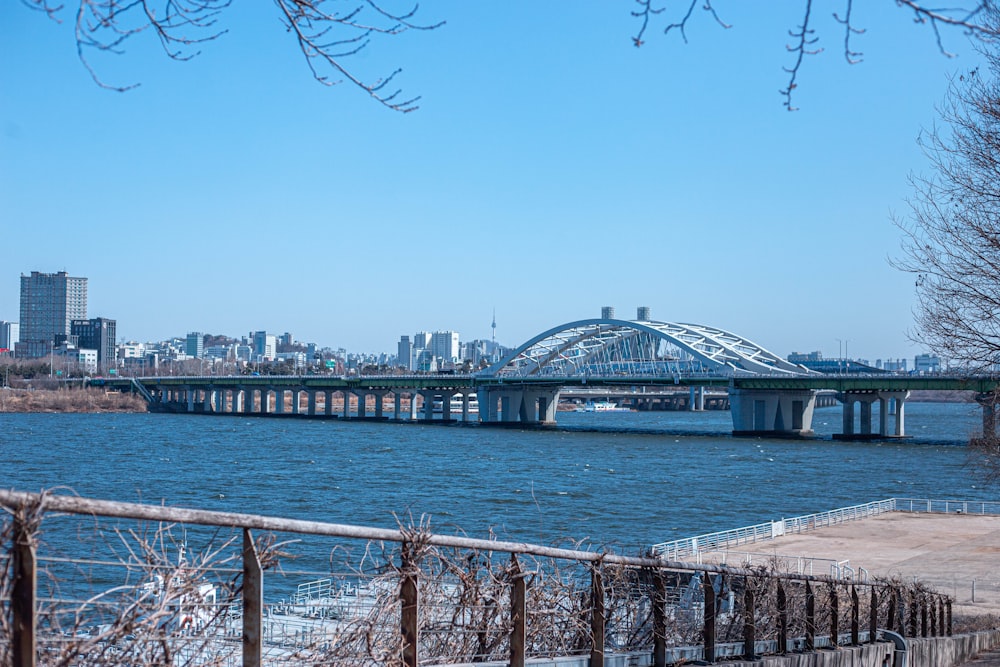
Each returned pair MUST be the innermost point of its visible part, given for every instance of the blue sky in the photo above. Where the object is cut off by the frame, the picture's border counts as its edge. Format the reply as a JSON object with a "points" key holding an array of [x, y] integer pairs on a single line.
{"points": [[551, 169]]}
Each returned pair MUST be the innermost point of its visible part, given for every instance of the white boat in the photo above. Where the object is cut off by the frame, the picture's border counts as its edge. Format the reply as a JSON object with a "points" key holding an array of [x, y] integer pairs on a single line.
{"points": [[601, 406], [455, 405]]}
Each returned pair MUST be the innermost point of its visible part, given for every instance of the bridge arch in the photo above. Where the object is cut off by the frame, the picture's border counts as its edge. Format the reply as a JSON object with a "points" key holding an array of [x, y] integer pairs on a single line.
{"points": [[613, 348]]}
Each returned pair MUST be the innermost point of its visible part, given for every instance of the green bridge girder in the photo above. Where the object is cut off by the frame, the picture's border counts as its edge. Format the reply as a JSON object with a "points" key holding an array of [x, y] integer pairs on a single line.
{"points": [[979, 384]]}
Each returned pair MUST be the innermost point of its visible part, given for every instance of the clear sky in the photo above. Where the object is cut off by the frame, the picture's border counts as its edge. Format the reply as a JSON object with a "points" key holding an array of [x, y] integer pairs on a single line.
{"points": [[551, 169]]}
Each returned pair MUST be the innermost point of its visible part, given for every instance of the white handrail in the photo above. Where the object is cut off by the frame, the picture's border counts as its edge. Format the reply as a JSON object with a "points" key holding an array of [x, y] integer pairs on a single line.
{"points": [[691, 546]]}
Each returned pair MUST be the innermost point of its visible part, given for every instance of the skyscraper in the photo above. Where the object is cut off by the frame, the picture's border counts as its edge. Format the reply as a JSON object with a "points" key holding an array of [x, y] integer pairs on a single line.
{"points": [[49, 304], [404, 353], [444, 345]]}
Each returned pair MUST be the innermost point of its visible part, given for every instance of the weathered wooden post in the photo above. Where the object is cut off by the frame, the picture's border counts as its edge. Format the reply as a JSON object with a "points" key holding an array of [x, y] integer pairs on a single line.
{"points": [[873, 613], [923, 615], [834, 615], [810, 618], [709, 615], [659, 619], [855, 616], [932, 601], [408, 595], [948, 605], [253, 602], [22, 600], [941, 625], [901, 611], [913, 613], [597, 619], [749, 625], [782, 620], [518, 614]]}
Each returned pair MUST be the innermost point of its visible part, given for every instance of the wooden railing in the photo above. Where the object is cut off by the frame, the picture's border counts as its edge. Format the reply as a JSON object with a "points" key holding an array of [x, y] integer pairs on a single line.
{"points": [[96, 582]]}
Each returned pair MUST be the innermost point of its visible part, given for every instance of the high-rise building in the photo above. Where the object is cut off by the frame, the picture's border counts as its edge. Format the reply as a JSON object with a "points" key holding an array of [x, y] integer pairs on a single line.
{"points": [[642, 314], [444, 345], [195, 345], [49, 303], [8, 336], [607, 312], [98, 333], [404, 353], [265, 346]]}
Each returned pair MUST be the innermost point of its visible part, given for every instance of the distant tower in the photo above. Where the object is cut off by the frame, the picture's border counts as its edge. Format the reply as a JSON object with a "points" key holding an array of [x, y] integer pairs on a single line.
{"points": [[494, 325], [642, 314], [608, 313]]}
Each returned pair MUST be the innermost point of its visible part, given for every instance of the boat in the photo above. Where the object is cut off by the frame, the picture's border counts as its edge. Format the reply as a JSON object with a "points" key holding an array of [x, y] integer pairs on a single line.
{"points": [[455, 405], [601, 406]]}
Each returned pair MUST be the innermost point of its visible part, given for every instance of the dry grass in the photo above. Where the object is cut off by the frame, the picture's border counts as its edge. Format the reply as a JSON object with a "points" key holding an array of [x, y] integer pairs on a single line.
{"points": [[90, 399]]}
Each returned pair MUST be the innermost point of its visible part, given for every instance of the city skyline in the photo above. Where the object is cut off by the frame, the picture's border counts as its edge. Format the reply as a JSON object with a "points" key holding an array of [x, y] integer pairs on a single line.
{"points": [[545, 181], [440, 344]]}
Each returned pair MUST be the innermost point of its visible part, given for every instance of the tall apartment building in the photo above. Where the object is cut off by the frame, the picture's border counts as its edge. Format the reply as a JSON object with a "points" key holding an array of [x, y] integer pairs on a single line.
{"points": [[194, 345], [49, 304], [8, 336], [444, 345], [265, 346], [99, 334]]}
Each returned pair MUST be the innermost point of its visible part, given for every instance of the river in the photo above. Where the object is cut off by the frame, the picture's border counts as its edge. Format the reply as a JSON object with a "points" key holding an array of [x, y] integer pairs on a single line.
{"points": [[616, 480]]}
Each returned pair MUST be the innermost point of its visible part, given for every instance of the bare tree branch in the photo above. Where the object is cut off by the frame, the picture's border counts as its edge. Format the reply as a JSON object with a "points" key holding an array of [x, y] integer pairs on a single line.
{"points": [[971, 20], [326, 37]]}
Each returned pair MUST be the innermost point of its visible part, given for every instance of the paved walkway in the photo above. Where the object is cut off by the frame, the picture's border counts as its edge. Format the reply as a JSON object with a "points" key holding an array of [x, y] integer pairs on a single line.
{"points": [[956, 554]]}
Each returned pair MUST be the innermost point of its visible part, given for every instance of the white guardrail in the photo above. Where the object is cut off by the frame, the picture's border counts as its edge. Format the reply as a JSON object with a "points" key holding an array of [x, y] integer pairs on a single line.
{"points": [[691, 546]]}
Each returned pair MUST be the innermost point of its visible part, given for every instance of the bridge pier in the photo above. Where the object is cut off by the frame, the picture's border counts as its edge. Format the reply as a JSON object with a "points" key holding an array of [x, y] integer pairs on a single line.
{"points": [[867, 398], [988, 402], [775, 412], [518, 404]]}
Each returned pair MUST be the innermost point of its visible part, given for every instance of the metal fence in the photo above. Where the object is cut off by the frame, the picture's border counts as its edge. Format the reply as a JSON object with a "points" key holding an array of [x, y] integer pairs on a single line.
{"points": [[87, 582], [690, 547]]}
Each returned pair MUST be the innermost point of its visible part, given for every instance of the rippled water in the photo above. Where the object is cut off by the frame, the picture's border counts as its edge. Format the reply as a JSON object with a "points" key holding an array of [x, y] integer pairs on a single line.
{"points": [[625, 480]]}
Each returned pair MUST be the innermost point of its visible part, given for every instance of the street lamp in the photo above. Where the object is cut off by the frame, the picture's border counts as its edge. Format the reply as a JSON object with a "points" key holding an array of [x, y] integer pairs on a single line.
{"points": [[842, 342]]}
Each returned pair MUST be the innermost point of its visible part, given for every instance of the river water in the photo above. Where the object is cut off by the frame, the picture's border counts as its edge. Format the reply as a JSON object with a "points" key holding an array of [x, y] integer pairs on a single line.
{"points": [[617, 480]]}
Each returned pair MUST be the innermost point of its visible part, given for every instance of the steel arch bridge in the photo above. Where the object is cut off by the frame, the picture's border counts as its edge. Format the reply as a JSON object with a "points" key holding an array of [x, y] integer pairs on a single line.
{"points": [[612, 348]]}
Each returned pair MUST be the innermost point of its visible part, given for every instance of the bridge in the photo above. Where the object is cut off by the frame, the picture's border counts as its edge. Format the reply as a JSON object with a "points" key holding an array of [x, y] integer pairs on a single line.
{"points": [[767, 394]]}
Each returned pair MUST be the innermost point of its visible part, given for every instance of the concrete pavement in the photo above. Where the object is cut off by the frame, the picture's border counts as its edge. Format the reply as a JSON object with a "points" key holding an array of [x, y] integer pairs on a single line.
{"points": [[956, 554]]}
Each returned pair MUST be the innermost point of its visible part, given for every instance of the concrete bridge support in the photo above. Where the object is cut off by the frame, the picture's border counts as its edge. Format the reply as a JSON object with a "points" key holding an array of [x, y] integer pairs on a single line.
{"points": [[527, 405], [867, 398], [696, 401], [989, 405], [779, 412]]}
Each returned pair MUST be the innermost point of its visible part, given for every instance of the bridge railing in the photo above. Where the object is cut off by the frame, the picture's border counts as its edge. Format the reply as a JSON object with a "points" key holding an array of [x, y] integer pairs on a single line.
{"points": [[728, 539], [86, 581]]}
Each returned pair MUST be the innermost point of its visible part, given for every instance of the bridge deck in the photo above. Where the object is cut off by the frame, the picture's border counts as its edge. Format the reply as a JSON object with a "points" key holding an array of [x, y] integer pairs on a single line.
{"points": [[946, 551]]}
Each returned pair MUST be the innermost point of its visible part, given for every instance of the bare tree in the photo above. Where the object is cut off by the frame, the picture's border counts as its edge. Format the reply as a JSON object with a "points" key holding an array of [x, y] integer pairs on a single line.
{"points": [[328, 37], [951, 239]]}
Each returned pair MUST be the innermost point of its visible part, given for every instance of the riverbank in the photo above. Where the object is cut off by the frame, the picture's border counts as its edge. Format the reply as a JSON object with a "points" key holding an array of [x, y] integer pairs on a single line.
{"points": [[90, 399]]}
